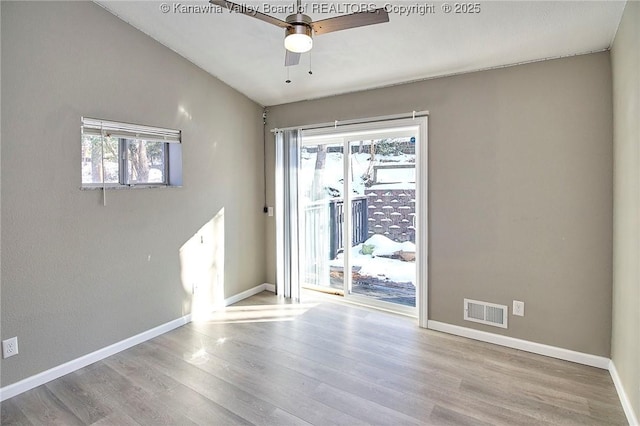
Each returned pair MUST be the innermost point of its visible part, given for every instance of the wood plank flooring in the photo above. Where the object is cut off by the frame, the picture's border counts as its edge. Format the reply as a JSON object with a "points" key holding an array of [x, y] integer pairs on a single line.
{"points": [[265, 362]]}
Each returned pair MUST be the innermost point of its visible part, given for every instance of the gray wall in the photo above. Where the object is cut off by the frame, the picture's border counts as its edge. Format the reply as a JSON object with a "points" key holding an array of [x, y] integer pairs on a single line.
{"points": [[625, 61], [520, 192], [78, 276]]}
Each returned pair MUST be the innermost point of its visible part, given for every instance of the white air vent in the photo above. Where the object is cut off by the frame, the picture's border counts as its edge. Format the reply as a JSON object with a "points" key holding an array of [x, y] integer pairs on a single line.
{"points": [[485, 313]]}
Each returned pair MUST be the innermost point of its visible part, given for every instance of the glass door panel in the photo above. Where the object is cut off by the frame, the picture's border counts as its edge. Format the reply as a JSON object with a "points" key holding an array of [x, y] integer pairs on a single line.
{"points": [[321, 216], [382, 196]]}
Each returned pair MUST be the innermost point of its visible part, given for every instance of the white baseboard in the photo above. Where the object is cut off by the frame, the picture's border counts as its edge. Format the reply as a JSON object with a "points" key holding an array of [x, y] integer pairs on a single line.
{"points": [[523, 345], [624, 399], [78, 363], [248, 293]]}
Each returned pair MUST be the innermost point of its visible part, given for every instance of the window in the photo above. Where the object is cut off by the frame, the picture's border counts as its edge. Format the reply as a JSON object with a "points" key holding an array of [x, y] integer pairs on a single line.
{"points": [[120, 155], [145, 162]]}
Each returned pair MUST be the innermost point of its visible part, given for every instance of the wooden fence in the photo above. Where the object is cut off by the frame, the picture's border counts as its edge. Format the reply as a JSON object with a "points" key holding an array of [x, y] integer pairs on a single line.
{"points": [[359, 226]]}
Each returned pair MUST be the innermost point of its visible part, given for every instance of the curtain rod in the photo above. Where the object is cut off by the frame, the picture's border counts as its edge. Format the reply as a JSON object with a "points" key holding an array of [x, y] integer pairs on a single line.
{"points": [[337, 123]]}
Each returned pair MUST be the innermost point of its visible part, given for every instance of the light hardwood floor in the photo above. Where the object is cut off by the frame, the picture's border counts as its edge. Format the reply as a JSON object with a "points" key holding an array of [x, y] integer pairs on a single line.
{"points": [[268, 363]]}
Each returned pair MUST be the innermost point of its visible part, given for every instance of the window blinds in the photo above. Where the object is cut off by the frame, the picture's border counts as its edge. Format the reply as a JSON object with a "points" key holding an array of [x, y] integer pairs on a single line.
{"points": [[92, 126]]}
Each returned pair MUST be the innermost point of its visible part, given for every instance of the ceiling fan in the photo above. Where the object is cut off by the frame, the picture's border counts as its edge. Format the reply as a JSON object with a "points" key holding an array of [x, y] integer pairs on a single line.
{"points": [[299, 28]]}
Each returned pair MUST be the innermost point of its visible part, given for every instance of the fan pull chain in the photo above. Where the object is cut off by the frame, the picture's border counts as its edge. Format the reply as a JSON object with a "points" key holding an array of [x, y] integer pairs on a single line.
{"points": [[310, 72], [288, 80]]}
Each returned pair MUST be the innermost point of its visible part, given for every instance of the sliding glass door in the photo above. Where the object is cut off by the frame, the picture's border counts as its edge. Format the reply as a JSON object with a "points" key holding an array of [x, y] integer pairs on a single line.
{"points": [[358, 213]]}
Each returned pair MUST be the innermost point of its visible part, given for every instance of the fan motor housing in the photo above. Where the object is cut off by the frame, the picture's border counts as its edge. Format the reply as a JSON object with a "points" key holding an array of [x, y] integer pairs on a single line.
{"points": [[298, 34], [298, 29], [299, 18]]}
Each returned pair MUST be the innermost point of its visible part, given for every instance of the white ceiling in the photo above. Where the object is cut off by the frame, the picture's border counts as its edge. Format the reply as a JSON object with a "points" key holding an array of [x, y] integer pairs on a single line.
{"points": [[248, 54]]}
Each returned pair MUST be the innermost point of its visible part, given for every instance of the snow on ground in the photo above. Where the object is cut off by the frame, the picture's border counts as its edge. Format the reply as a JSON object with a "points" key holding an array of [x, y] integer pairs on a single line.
{"points": [[381, 267], [396, 175], [383, 246]]}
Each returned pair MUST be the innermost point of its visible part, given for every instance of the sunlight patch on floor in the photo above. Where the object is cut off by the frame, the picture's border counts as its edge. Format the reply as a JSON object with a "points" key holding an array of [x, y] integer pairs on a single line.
{"points": [[255, 313]]}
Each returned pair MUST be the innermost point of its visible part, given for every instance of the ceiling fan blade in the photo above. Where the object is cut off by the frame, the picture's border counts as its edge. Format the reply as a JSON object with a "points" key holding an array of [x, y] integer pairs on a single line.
{"points": [[359, 19], [238, 8], [291, 58]]}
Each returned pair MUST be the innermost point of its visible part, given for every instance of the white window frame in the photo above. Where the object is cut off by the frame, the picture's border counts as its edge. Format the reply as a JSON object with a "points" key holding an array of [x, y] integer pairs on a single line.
{"points": [[123, 158]]}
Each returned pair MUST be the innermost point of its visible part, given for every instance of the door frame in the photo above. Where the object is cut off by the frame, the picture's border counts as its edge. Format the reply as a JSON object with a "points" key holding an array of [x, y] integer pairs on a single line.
{"points": [[369, 130]]}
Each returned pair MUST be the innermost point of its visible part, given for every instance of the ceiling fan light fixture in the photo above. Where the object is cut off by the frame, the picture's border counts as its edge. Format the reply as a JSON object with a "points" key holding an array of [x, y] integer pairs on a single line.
{"points": [[298, 39]]}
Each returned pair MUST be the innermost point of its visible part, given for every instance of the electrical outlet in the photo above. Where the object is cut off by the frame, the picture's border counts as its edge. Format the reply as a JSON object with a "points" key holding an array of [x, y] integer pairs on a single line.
{"points": [[10, 347], [270, 211], [518, 308]]}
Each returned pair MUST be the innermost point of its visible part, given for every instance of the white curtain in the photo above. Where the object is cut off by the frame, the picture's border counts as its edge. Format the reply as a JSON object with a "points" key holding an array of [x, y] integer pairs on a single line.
{"points": [[287, 237]]}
